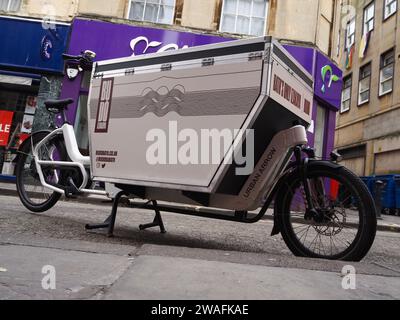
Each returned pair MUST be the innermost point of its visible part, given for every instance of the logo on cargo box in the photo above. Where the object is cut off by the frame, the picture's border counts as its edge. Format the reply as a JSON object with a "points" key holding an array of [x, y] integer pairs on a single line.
{"points": [[104, 107]]}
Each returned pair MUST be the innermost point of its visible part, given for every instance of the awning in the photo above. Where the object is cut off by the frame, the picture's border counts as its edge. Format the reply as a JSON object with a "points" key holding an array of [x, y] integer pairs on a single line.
{"points": [[18, 78]]}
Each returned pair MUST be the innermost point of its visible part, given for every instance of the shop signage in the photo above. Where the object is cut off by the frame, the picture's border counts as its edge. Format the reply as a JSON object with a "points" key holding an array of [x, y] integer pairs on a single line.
{"points": [[111, 40], [328, 80], [159, 46], [30, 46], [46, 49], [5, 126], [327, 76]]}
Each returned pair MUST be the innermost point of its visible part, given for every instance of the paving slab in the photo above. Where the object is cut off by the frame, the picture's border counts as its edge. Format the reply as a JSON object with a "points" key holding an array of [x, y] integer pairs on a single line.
{"points": [[78, 275], [166, 278]]}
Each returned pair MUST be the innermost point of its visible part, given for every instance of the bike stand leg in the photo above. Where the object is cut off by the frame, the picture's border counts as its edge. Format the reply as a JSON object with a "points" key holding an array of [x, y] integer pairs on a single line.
{"points": [[158, 221], [110, 221]]}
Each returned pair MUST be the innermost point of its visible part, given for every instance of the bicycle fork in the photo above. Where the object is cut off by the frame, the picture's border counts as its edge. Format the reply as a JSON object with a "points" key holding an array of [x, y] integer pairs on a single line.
{"points": [[302, 164]]}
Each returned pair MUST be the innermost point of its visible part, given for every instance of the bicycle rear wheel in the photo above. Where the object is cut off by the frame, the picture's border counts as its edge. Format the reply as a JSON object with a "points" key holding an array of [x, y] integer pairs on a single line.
{"points": [[344, 226], [33, 195]]}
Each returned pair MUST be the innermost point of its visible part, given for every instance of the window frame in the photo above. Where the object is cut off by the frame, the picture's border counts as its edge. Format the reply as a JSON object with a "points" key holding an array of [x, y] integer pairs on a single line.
{"points": [[349, 76], [382, 67], [384, 9], [144, 12], [365, 23], [251, 17], [9, 6], [353, 35], [361, 78]]}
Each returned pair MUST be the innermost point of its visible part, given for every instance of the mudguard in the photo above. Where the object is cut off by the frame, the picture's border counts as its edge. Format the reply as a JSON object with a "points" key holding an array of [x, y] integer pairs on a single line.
{"points": [[281, 188]]}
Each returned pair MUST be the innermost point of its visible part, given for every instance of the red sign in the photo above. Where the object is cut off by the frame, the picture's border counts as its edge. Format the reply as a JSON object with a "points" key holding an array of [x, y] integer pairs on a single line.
{"points": [[21, 138], [5, 126]]}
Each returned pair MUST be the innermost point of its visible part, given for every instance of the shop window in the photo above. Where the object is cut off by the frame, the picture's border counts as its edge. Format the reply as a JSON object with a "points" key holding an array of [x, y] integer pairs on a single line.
{"points": [[81, 125], [386, 73], [369, 18], [21, 101], [364, 84], [350, 33], [320, 125], [390, 8], [346, 94], [10, 5], [247, 17], [156, 11], [81, 122]]}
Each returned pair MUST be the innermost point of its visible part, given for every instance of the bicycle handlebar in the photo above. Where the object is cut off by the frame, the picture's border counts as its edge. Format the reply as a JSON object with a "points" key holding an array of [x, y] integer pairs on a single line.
{"points": [[85, 59], [71, 57]]}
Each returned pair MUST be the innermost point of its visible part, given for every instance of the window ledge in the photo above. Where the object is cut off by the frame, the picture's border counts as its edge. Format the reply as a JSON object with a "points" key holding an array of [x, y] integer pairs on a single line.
{"points": [[381, 95], [389, 16], [361, 104]]}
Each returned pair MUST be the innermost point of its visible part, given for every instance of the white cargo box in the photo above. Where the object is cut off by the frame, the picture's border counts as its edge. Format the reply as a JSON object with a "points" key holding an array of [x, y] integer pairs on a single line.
{"points": [[245, 84]]}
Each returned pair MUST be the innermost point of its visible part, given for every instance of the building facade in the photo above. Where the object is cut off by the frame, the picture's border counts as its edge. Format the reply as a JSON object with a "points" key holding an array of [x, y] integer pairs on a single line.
{"points": [[31, 71], [308, 21], [120, 28], [367, 48]]}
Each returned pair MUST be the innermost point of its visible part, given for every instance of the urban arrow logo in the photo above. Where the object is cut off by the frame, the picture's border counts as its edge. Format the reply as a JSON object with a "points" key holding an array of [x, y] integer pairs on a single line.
{"points": [[327, 71]]}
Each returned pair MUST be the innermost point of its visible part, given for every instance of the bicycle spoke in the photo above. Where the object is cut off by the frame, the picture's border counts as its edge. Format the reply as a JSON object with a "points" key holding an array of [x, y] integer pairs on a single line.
{"points": [[334, 232]]}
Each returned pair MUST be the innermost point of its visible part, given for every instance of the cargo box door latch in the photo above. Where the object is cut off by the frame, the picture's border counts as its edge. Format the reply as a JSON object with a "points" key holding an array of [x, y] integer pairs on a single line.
{"points": [[166, 67], [208, 62], [255, 56]]}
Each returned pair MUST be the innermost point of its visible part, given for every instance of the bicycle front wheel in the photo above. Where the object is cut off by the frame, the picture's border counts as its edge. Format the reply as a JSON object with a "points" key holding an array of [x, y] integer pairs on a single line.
{"points": [[343, 224], [33, 195]]}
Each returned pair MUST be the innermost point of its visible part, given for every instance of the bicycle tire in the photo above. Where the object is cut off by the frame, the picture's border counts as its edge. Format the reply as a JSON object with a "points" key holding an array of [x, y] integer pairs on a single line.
{"points": [[366, 232], [25, 152]]}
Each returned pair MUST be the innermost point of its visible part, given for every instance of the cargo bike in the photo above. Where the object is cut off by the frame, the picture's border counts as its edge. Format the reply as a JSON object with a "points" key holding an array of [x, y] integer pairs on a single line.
{"points": [[251, 88]]}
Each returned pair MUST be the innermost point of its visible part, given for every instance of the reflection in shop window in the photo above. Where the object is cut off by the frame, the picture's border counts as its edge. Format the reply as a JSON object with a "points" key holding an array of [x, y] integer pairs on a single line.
{"points": [[320, 125], [156, 11], [10, 5], [81, 125], [85, 83], [247, 17], [21, 101]]}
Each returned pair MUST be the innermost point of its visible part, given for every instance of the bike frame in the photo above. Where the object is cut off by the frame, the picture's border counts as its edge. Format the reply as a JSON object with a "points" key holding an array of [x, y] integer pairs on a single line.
{"points": [[77, 159]]}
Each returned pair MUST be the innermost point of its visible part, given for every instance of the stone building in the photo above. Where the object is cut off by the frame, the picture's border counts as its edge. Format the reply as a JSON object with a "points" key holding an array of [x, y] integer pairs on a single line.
{"points": [[367, 49]]}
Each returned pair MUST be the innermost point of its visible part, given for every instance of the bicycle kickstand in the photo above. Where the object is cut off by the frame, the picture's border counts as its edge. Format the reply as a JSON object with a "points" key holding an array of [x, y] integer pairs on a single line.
{"points": [[158, 221], [110, 221]]}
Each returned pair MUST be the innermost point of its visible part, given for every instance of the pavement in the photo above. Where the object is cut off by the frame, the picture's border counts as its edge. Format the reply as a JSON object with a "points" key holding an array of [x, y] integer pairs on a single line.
{"points": [[146, 275], [197, 259]]}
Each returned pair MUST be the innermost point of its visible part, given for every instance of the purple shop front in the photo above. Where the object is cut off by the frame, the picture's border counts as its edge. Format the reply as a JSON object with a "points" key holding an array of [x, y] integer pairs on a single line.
{"points": [[328, 81], [110, 41]]}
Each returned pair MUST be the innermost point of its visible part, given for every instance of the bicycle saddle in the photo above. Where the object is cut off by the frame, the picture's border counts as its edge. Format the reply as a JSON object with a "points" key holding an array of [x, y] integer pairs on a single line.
{"points": [[57, 105]]}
